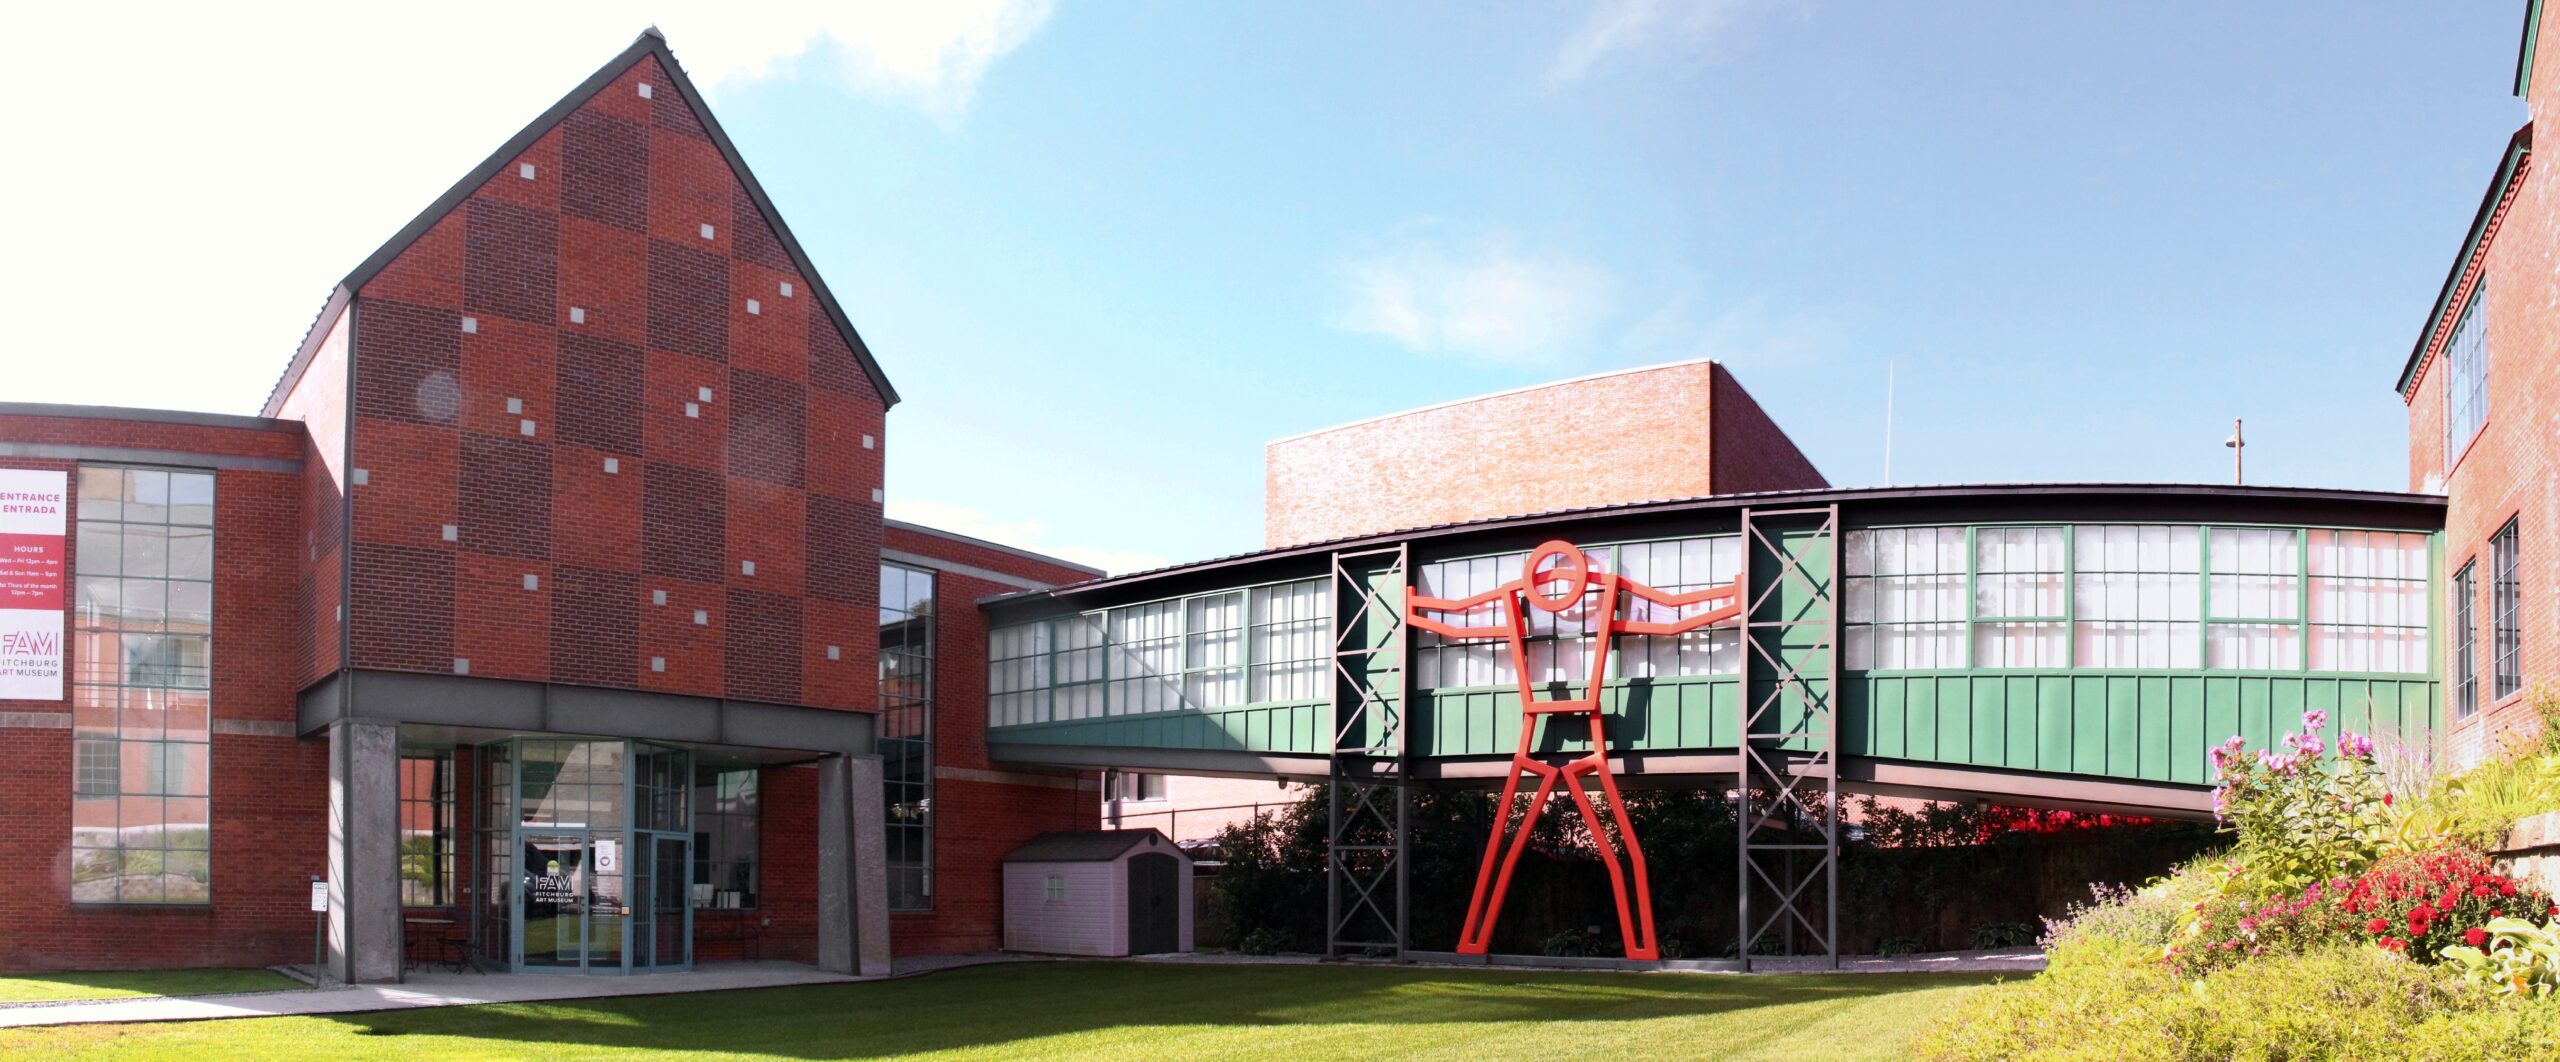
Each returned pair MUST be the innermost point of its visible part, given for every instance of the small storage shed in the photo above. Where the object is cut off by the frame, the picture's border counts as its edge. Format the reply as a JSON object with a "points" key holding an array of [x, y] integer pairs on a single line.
{"points": [[1098, 892]]}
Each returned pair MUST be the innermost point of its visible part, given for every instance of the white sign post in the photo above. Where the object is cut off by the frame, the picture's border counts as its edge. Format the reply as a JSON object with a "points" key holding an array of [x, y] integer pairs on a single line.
{"points": [[33, 570], [319, 931]]}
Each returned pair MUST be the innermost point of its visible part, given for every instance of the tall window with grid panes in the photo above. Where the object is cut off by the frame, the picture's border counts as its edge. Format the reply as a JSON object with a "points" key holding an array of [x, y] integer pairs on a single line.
{"points": [[906, 732], [141, 715], [2137, 597], [1219, 650]]}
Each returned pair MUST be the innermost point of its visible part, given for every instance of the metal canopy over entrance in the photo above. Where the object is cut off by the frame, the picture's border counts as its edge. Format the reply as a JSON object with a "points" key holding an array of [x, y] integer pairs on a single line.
{"points": [[585, 857]]}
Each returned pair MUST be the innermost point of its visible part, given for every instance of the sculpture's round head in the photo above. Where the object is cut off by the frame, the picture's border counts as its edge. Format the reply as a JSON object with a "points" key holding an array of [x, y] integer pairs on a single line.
{"points": [[1556, 576]]}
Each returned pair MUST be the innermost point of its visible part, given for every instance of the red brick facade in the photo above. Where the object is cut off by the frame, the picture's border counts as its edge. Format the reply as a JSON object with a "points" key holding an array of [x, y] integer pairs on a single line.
{"points": [[2510, 470], [981, 811], [1673, 431], [610, 323], [268, 791]]}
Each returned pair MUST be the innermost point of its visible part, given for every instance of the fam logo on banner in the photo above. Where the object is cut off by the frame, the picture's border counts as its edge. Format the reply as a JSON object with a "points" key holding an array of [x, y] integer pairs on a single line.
{"points": [[33, 507]]}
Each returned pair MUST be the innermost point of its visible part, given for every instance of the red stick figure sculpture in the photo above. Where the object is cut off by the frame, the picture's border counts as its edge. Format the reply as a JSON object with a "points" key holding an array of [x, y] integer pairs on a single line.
{"points": [[1556, 578]]}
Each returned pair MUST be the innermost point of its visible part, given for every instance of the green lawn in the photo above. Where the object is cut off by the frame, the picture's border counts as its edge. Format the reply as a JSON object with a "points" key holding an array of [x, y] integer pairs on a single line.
{"points": [[1123, 1010], [35, 988]]}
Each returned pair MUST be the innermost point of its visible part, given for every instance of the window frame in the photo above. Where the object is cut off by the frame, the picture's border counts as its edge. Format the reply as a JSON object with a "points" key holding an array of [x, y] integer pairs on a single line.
{"points": [[441, 802], [920, 701], [2506, 612], [708, 819], [2467, 373], [2464, 588]]}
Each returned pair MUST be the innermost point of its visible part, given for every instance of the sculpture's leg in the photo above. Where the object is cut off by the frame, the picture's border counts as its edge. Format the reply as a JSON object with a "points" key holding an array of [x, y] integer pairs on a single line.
{"points": [[1492, 883]]}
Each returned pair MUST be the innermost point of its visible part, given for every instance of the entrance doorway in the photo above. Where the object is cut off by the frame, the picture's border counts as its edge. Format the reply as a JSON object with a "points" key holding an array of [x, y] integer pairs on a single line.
{"points": [[589, 853], [1155, 892]]}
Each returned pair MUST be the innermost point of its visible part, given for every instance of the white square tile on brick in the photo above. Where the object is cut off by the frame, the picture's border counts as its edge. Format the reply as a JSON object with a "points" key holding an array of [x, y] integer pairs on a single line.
{"points": [[644, 90], [612, 466], [754, 308], [701, 618], [877, 496], [577, 315], [869, 442], [525, 426], [703, 393], [835, 652], [532, 581], [786, 289], [746, 567], [452, 533], [515, 405], [692, 410], [657, 597], [525, 171], [471, 326], [657, 663], [706, 230], [461, 666], [363, 477]]}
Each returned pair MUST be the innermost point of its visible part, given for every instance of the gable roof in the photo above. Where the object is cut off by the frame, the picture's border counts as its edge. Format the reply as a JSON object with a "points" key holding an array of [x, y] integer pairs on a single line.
{"points": [[2524, 51], [2518, 148], [1083, 846], [649, 43]]}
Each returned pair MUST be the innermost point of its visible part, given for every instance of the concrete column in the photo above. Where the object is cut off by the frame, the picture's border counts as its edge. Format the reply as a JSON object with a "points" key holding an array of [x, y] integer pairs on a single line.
{"points": [[364, 852], [853, 881]]}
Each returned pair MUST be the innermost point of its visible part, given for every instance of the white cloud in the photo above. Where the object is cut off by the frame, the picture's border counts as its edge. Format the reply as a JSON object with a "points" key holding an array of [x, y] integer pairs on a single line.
{"points": [[1020, 534], [222, 198], [1485, 297], [932, 55], [1625, 26]]}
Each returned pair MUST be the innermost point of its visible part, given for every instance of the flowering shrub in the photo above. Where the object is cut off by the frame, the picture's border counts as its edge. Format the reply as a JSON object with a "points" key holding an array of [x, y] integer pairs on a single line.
{"points": [[2418, 904], [2512, 957], [2300, 816]]}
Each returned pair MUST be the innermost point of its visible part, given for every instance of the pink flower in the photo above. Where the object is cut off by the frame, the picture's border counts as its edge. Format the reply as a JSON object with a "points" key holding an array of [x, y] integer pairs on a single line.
{"points": [[2357, 746], [2315, 719]]}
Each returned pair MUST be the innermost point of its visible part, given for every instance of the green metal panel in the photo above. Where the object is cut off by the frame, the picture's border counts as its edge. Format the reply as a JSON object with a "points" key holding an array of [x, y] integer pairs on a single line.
{"points": [[2088, 724], [2054, 721]]}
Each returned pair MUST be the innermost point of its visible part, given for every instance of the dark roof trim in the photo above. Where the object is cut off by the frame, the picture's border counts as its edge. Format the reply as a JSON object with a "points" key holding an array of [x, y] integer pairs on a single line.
{"points": [[999, 547], [650, 43], [312, 338], [2518, 147], [1084, 846], [1789, 498], [147, 416], [2524, 51]]}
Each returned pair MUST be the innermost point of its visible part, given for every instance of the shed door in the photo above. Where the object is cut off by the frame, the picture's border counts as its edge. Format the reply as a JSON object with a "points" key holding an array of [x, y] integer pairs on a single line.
{"points": [[1155, 913]]}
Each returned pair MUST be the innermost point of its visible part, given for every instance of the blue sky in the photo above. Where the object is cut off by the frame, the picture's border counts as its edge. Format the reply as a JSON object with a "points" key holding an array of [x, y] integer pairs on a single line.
{"points": [[1109, 250]]}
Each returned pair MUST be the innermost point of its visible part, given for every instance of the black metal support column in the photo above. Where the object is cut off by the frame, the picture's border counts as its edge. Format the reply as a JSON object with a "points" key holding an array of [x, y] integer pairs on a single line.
{"points": [[1367, 874], [1790, 727]]}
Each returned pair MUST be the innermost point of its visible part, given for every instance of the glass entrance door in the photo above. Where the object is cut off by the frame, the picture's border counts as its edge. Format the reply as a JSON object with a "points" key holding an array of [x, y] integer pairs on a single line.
{"points": [[591, 874]]}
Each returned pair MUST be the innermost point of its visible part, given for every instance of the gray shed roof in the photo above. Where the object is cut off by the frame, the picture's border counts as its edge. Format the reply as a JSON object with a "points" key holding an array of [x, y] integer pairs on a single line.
{"points": [[1082, 846]]}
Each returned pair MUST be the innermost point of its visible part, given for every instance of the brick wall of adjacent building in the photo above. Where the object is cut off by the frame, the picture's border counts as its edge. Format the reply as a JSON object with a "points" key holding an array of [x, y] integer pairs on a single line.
{"points": [[553, 337], [981, 809], [268, 792], [2511, 469], [1638, 435]]}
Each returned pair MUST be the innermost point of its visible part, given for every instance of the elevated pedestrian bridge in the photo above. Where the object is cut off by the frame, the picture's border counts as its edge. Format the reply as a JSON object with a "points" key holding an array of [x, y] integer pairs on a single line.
{"points": [[2071, 646]]}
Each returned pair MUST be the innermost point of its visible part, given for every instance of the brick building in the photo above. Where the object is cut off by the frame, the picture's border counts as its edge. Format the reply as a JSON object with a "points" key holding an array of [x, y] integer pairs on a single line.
{"points": [[546, 612], [2483, 430], [1685, 430]]}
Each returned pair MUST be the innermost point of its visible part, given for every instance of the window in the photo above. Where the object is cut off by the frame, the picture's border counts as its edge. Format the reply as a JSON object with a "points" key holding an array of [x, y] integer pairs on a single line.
{"points": [[2368, 601], [2507, 652], [2017, 598], [1018, 674], [2135, 595], [1213, 651], [1680, 566], [2466, 642], [2466, 382], [724, 837], [141, 701], [1905, 606], [1145, 658], [1288, 640], [1443, 664], [1076, 669], [906, 732], [1134, 785], [2253, 607], [426, 830], [1057, 888]]}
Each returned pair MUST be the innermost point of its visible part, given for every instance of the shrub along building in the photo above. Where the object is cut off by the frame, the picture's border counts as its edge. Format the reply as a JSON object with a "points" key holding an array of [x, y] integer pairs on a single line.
{"points": [[546, 612]]}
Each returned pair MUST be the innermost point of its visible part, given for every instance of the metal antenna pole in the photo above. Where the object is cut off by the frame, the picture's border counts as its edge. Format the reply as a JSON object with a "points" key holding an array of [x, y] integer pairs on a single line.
{"points": [[2237, 445], [1888, 423]]}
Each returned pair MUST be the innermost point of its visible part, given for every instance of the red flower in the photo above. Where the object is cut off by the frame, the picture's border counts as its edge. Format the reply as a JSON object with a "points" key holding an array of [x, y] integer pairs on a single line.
{"points": [[2392, 943], [2475, 937], [2377, 927]]}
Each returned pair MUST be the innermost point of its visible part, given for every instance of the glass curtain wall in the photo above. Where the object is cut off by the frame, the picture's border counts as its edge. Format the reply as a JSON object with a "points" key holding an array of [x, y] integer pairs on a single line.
{"points": [[585, 845], [906, 731]]}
